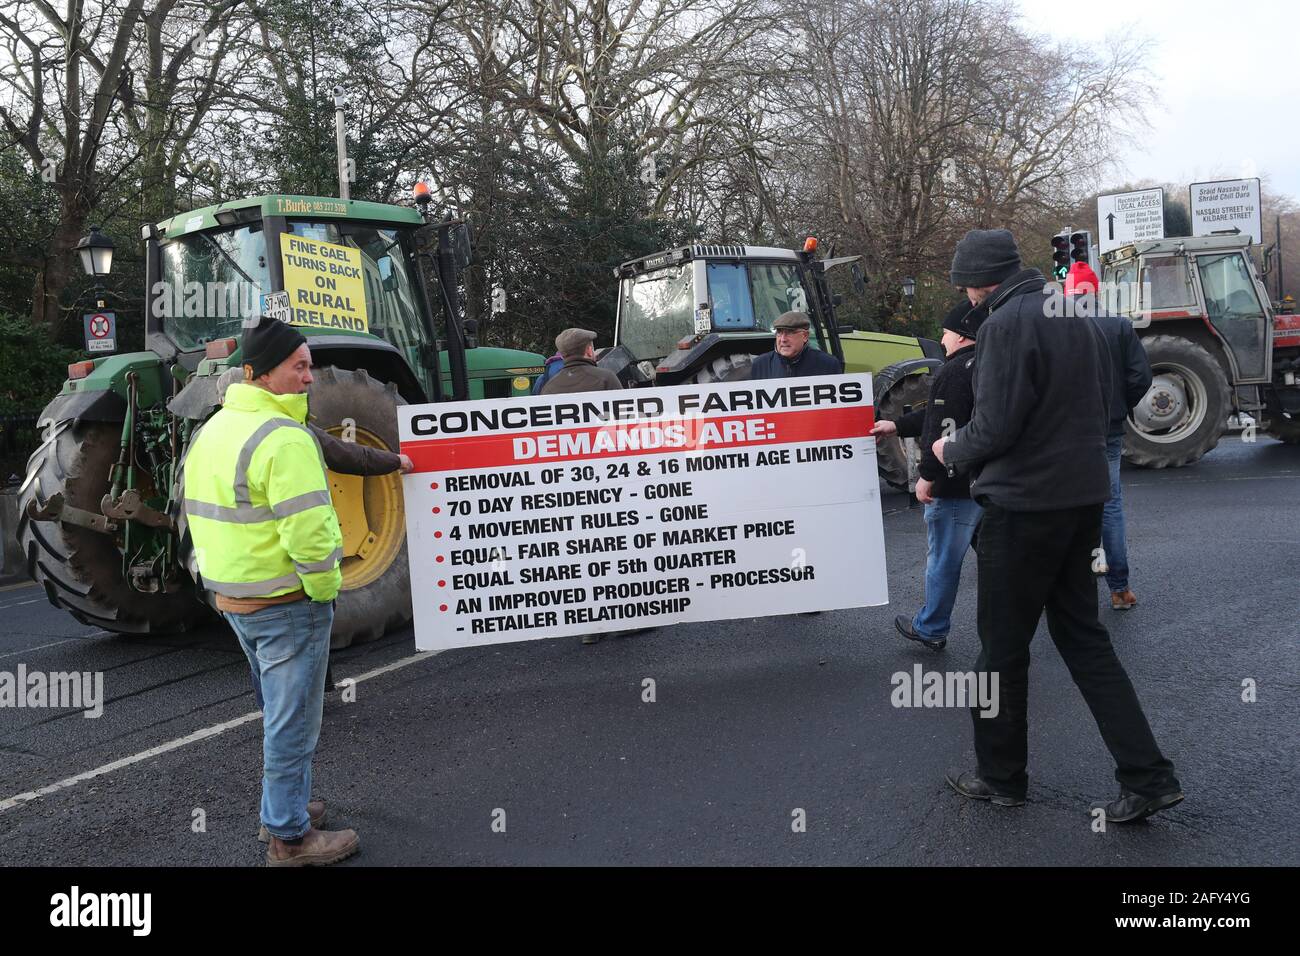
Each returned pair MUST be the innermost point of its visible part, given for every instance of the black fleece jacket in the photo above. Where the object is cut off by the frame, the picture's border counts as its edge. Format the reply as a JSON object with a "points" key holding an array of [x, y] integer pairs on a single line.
{"points": [[952, 398], [1037, 439]]}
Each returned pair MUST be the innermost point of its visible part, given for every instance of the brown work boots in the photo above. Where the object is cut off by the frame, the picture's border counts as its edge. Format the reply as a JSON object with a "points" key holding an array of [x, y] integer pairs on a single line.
{"points": [[318, 848], [1123, 600]]}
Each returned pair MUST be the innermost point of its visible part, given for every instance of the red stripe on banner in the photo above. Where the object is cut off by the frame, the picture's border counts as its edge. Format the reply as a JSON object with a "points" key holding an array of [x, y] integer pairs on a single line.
{"points": [[639, 438]]}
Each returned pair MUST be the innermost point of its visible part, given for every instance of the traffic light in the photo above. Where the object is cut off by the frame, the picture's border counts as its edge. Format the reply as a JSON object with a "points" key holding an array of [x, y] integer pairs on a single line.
{"points": [[1081, 248], [1061, 255]]}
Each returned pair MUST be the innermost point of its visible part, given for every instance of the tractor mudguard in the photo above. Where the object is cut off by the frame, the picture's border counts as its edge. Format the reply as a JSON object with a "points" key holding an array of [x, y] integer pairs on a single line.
{"points": [[622, 363], [888, 377], [680, 364], [101, 406], [101, 395], [197, 400]]}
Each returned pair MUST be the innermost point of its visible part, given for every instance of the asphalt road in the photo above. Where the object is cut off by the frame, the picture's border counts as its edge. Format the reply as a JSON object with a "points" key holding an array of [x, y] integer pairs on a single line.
{"points": [[753, 721]]}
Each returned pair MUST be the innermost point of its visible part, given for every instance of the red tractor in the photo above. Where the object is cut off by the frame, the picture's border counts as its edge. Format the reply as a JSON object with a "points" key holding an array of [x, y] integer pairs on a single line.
{"points": [[1218, 351]]}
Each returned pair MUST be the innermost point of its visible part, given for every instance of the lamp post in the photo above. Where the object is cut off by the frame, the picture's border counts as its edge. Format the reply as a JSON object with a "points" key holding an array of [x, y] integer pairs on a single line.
{"points": [[96, 251], [909, 292]]}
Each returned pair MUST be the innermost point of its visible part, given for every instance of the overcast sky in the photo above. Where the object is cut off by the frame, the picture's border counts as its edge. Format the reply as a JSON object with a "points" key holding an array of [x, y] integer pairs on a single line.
{"points": [[1227, 75]]}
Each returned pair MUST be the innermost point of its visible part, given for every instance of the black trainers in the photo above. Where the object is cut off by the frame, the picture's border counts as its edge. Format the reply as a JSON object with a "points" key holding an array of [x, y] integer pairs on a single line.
{"points": [[904, 625], [1131, 807], [972, 786]]}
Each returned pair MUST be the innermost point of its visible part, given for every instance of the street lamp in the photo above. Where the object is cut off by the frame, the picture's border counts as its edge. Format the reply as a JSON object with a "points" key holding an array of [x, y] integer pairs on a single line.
{"points": [[909, 292], [96, 254]]}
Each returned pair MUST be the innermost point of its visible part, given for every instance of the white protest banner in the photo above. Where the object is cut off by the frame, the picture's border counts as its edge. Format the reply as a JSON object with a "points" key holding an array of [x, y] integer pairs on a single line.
{"points": [[571, 514], [1224, 205]]}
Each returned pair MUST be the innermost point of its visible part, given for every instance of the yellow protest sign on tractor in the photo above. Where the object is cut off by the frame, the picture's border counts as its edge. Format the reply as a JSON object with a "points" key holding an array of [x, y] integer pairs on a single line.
{"points": [[325, 284]]}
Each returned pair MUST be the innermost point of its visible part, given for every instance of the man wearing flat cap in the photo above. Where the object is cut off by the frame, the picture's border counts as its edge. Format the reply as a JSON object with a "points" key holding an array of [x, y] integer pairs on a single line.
{"points": [[268, 546], [792, 358], [580, 372], [1035, 448]]}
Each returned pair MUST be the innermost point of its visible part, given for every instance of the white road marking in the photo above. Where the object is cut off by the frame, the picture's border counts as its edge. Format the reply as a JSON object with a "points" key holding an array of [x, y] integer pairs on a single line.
{"points": [[66, 640], [205, 734], [26, 650], [5, 607]]}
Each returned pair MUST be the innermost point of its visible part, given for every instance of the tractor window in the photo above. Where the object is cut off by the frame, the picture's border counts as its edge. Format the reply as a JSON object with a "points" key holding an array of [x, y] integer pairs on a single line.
{"points": [[1168, 284], [392, 303], [729, 297], [777, 290], [1119, 292], [210, 282], [1235, 312], [657, 311]]}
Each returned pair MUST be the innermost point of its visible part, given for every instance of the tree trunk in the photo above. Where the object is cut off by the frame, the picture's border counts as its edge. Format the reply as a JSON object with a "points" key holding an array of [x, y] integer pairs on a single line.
{"points": [[59, 267]]}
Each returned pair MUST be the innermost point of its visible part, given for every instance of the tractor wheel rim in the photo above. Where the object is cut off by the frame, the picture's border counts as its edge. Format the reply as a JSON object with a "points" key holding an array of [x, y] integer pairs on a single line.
{"points": [[386, 517], [1173, 408]]}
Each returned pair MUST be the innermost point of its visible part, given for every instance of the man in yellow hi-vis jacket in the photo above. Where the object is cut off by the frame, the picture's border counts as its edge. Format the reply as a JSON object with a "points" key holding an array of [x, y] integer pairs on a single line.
{"points": [[268, 546]]}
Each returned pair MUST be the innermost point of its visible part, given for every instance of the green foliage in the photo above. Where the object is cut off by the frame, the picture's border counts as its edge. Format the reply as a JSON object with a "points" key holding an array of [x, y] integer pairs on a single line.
{"points": [[1177, 220], [556, 262], [33, 367], [28, 212]]}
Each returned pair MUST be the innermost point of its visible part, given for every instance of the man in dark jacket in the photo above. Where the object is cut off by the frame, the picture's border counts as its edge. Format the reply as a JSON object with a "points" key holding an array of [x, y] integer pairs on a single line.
{"points": [[792, 358], [1131, 377], [950, 515], [1036, 450], [580, 372]]}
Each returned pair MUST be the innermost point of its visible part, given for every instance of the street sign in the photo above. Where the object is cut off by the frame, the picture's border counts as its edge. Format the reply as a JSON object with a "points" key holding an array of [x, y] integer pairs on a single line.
{"points": [[275, 305], [545, 516], [1225, 205], [1130, 217], [101, 331]]}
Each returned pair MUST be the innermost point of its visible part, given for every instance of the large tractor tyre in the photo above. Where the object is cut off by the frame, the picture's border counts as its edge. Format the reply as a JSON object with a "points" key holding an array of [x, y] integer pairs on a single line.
{"points": [[79, 568], [376, 593], [1184, 411], [726, 368], [897, 459]]}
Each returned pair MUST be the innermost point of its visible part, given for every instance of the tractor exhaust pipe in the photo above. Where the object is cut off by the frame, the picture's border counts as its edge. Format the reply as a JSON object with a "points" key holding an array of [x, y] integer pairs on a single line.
{"points": [[341, 139]]}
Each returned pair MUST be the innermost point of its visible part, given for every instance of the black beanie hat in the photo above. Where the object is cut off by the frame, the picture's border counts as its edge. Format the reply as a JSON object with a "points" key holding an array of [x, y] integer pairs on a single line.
{"points": [[268, 344], [985, 257], [965, 319]]}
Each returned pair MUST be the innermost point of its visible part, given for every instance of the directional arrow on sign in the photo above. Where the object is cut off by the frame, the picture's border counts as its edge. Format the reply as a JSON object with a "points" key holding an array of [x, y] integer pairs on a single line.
{"points": [[1110, 224]]}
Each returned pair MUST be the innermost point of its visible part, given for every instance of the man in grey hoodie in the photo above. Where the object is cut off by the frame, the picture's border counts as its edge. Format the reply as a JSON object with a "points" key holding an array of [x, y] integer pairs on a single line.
{"points": [[1036, 450]]}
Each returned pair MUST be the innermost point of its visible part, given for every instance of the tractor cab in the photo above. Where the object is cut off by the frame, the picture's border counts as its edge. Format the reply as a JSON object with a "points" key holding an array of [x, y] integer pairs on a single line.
{"points": [[702, 312], [351, 275], [1210, 280], [1217, 351]]}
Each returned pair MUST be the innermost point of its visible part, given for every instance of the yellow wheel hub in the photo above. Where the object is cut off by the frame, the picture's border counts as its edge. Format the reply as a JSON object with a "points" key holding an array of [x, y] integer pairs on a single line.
{"points": [[371, 516]]}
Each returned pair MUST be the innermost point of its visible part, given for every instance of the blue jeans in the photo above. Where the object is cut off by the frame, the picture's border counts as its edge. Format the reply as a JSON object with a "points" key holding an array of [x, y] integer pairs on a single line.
{"points": [[949, 524], [1112, 521], [287, 646]]}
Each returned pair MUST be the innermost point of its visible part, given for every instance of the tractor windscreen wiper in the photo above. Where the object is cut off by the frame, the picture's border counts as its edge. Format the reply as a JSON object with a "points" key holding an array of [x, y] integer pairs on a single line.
{"points": [[225, 255]]}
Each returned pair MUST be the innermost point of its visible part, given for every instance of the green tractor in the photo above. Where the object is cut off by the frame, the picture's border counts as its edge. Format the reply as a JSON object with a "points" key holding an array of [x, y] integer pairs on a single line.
{"points": [[701, 313], [101, 524]]}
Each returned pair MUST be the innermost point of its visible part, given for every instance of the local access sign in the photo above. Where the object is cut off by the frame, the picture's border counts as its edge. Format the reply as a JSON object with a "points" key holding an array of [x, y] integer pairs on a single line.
{"points": [[100, 329], [571, 514], [1130, 217], [1225, 205]]}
